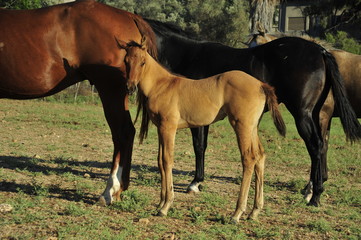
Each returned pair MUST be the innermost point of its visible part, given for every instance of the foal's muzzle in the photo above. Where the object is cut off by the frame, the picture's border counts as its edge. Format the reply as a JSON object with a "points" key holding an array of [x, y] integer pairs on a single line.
{"points": [[131, 88]]}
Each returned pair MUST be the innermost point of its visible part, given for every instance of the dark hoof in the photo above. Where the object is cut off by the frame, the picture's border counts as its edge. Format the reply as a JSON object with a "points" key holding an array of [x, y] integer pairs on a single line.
{"points": [[314, 203]]}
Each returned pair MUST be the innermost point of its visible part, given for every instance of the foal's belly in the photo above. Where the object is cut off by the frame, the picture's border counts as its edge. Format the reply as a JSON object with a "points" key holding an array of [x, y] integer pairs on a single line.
{"points": [[200, 118]]}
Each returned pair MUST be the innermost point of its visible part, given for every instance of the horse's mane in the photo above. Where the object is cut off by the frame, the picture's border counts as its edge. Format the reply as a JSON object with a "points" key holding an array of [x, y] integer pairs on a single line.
{"points": [[169, 29], [305, 36], [142, 100]]}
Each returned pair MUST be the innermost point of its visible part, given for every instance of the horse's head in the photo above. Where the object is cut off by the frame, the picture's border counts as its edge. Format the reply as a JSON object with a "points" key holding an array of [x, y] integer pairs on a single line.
{"points": [[134, 61], [259, 39]]}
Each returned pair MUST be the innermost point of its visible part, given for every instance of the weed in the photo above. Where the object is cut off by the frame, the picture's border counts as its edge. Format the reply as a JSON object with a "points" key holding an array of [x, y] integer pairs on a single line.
{"points": [[319, 225], [197, 216], [73, 209], [143, 177], [132, 201]]}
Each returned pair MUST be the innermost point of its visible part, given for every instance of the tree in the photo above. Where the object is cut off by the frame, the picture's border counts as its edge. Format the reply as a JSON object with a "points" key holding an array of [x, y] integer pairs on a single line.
{"points": [[22, 4], [334, 13], [222, 21], [261, 14]]}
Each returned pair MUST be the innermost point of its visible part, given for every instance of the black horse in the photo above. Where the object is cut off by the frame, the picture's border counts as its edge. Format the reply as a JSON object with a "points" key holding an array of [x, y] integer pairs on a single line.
{"points": [[301, 71]]}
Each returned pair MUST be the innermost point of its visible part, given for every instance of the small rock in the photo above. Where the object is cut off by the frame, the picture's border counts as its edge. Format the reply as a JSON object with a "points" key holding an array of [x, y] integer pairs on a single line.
{"points": [[5, 208], [87, 175], [144, 221]]}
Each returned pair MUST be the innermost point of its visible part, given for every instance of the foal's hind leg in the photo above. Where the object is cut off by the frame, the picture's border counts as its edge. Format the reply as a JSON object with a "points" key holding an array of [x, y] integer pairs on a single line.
{"points": [[259, 173], [252, 155]]}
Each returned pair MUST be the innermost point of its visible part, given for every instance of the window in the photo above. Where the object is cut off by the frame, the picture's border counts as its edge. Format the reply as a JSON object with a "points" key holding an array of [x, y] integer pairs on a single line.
{"points": [[296, 24]]}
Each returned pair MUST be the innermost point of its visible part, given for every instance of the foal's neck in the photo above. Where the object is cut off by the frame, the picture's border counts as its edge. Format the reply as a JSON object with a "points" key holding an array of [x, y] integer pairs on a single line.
{"points": [[155, 75]]}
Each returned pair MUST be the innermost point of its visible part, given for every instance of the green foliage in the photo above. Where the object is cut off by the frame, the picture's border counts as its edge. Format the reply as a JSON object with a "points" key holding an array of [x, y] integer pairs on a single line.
{"points": [[222, 21], [22, 4], [341, 40]]}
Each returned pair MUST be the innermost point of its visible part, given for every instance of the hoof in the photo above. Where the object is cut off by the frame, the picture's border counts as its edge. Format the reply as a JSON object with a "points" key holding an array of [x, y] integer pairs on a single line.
{"points": [[103, 202], [161, 214], [313, 203], [194, 188], [234, 220]]}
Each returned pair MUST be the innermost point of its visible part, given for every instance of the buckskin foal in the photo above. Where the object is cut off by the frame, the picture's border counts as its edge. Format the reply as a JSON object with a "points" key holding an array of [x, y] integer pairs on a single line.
{"points": [[177, 102]]}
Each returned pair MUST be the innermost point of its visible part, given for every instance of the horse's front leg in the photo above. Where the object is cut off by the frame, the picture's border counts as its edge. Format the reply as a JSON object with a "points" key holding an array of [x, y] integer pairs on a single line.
{"points": [[166, 135], [118, 180], [199, 137], [115, 104]]}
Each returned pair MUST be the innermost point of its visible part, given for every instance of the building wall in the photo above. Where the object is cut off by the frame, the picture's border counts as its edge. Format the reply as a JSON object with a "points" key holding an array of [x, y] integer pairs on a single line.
{"points": [[292, 19]]}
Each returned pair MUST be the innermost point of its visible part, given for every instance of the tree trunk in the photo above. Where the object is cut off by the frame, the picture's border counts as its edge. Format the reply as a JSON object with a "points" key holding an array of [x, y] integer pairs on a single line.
{"points": [[261, 15]]}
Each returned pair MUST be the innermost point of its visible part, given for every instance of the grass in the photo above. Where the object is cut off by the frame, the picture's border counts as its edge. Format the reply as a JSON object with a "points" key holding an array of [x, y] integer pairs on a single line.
{"points": [[55, 159]]}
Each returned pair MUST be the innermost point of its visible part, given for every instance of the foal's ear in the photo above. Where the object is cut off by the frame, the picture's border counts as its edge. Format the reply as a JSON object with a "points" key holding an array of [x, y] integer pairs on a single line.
{"points": [[143, 42], [121, 43]]}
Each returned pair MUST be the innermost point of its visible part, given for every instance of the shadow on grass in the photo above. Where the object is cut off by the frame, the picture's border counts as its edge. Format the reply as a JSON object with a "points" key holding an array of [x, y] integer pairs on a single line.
{"points": [[53, 192], [57, 165]]}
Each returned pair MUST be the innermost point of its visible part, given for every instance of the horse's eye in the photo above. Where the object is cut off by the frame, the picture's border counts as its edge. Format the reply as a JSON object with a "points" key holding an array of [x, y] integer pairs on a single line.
{"points": [[142, 64]]}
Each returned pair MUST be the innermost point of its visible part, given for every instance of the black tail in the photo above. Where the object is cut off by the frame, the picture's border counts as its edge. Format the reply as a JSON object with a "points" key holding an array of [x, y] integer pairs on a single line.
{"points": [[350, 124]]}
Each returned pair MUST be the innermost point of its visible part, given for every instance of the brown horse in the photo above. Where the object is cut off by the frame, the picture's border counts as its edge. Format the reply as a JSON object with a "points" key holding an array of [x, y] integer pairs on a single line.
{"points": [[349, 65], [43, 51], [177, 102]]}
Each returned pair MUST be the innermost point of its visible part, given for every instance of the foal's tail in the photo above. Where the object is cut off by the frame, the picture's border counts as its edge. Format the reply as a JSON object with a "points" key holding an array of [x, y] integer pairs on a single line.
{"points": [[350, 124], [272, 105]]}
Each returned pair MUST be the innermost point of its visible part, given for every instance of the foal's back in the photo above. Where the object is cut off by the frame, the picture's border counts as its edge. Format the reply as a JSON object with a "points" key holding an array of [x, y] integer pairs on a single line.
{"points": [[208, 100]]}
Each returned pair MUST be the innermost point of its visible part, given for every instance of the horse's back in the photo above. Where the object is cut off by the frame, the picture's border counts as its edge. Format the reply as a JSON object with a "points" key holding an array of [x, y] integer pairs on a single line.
{"points": [[41, 49], [350, 68]]}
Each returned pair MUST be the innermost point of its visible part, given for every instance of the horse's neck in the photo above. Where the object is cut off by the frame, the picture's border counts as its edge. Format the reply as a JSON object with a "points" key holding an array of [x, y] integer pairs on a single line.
{"points": [[154, 76]]}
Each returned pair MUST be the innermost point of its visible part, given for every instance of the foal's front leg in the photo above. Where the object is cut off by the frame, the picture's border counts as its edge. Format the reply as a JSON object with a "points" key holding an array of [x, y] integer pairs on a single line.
{"points": [[166, 135]]}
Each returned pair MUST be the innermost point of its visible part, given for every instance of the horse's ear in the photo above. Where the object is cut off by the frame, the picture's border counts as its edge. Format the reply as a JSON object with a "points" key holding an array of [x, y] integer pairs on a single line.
{"points": [[260, 29], [121, 43], [144, 42]]}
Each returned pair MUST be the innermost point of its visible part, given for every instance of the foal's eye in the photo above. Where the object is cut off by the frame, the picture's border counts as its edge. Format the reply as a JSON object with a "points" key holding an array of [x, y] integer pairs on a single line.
{"points": [[142, 64]]}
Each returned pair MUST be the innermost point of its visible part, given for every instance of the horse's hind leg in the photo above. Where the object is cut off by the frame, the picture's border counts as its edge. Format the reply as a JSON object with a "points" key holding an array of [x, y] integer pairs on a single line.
{"points": [[311, 134], [325, 123], [199, 137]]}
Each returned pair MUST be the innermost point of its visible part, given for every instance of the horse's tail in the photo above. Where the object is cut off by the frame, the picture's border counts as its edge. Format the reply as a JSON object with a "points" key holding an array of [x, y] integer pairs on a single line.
{"points": [[350, 124], [272, 104], [145, 30]]}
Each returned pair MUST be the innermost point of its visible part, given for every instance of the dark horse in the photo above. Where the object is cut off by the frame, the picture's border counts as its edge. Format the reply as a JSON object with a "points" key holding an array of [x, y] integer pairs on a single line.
{"points": [[43, 51], [301, 71]]}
